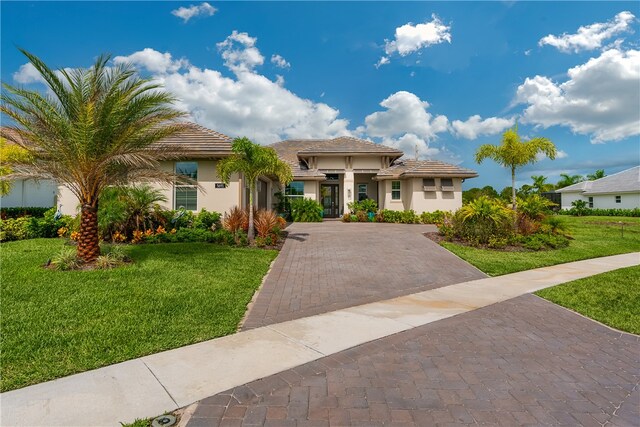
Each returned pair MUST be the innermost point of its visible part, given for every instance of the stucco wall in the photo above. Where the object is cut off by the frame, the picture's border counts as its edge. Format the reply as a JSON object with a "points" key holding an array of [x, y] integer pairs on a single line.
{"points": [[331, 162], [567, 198], [358, 162], [210, 198], [372, 186], [396, 205], [311, 190], [430, 201], [603, 201], [28, 193]]}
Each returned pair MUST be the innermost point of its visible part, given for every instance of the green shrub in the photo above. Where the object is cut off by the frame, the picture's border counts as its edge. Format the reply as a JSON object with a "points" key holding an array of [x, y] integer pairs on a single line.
{"points": [[534, 207], [65, 260], [482, 219], [14, 229], [6, 213], [435, 217], [601, 212], [398, 217], [541, 241], [366, 206], [306, 210], [206, 220], [579, 206], [47, 226], [497, 242], [554, 224]]}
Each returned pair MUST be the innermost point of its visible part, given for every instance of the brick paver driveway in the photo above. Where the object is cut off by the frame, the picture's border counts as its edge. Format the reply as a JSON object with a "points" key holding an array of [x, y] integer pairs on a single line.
{"points": [[332, 265], [521, 362]]}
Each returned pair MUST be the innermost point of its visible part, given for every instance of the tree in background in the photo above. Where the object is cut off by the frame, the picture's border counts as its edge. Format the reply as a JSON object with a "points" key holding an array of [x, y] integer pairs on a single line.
{"points": [[475, 192], [9, 153], [567, 180], [96, 128], [540, 184], [514, 153], [253, 161], [596, 175]]}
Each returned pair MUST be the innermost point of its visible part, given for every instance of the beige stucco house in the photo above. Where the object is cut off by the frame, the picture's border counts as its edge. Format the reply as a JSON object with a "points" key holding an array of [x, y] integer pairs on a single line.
{"points": [[334, 172]]}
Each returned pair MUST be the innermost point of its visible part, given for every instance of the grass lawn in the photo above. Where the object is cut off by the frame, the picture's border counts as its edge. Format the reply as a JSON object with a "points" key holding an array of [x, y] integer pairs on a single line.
{"points": [[595, 236], [612, 298], [56, 323]]}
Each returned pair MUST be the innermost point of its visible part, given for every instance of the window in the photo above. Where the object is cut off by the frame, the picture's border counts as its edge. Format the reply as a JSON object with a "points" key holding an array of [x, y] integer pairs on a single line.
{"points": [[618, 199], [395, 190], [446, 184], [429, 184], [294, 189], [186, 196], [590, 202], [362, 192]]}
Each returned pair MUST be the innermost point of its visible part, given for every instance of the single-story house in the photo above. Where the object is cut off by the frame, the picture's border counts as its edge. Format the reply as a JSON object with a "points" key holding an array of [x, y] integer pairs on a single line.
{"points": [[334, 172], [617, 191]]}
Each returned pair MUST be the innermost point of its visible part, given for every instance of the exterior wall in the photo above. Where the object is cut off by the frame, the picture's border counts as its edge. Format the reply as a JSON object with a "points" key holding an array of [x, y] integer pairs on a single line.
{"points": [[348, 190], [358, 162], [394, 205], [311, 190], [331, 162], [210, 198], [372, 186], [603, 201], [430, 201], [29, 193]]}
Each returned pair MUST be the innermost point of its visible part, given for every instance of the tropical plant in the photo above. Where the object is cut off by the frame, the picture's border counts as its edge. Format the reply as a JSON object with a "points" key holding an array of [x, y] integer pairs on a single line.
{"points": [[142, 203], [96, 127], [234, 219], [580, 207], [514, 153], [265, 222], [366, 206], [482, 219], [306, 210], [567, 180], [9, 153], [253, 161], [535, 207], [540, 184], [596, 175]]}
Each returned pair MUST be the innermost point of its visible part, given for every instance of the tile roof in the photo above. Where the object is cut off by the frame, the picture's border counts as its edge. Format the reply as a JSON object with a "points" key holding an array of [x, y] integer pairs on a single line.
{"points": [[346, 145], [199, 142], [404, 168], [627, 181], [288, 151]]}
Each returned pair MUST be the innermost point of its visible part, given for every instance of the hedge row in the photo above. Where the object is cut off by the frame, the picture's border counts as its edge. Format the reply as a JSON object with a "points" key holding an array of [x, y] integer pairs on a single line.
{"points": [[6, 213], [601, 212]]}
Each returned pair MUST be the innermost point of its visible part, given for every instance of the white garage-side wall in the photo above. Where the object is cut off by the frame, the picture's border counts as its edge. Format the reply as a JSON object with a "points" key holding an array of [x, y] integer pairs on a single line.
{"points": [[567, 198], [608, 201], [28, 193]]}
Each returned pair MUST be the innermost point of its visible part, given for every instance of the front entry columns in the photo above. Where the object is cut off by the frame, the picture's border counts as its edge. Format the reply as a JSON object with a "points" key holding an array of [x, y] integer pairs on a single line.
{"points": [[348, 190]]}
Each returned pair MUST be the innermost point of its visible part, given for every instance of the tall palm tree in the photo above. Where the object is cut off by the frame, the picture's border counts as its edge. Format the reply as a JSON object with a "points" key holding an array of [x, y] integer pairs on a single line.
{"points": [[596, 175], [253, 161], [567, 180], [514, 153], [97, 127]]}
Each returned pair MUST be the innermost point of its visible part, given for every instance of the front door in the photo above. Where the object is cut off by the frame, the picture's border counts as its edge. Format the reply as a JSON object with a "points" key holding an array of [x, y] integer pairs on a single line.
{"points": [[329, 195]]}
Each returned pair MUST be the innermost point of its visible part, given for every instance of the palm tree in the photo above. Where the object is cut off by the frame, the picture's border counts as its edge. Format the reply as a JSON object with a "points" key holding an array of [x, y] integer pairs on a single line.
{"points": [[97, 127], [567, 180], [514, 153], [596, 175], [253, 161], [9, 153], [540, 184]]}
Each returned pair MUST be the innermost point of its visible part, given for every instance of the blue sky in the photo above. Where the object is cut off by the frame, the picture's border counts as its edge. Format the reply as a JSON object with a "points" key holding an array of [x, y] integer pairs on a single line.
{"points": [[445, 77]]}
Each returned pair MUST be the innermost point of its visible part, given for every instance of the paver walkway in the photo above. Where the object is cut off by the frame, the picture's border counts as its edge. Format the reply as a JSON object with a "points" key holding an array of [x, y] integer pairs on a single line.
{"points": [[166, 381], [521, 362], [332, 265]]}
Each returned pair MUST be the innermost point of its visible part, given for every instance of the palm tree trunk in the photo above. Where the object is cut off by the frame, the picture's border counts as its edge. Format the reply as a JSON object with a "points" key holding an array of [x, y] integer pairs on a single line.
{"points": [[513, 188], [251, 231], [88, 243]]}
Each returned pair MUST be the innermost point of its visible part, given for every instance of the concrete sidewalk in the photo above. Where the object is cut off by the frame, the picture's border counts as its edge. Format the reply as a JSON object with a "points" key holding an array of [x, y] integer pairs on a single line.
{"points": [[166, 381]]}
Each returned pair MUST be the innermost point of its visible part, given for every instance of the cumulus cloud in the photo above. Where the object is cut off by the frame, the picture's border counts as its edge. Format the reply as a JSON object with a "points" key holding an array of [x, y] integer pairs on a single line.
{"points": [[474, 126], [279, 61], [240, 53], [591, 36], [600, 98], [410, 144], [186, 13], [411, 38], [559, 155], [153, 61], [26, 74]]}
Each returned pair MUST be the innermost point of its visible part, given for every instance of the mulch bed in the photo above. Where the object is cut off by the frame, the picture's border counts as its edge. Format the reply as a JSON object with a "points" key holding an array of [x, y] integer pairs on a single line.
{"points": [[437, 237]]}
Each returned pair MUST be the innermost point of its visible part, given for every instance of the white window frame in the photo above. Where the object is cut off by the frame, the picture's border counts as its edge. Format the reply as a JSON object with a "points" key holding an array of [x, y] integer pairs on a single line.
{"points": [[618, 199], [366, 192], [293, 196]]}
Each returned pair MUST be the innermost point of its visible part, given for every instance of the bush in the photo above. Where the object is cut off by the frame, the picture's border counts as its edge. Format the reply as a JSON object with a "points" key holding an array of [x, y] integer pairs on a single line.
{"points": [[306, 210], [65, 260], [435, 217], [482, 219], [7, 213], [47, 226], [265, 222], [206, 220], [366, 206], [235, 219], [534, 207], [398, 217], [14, 229], [601, 212]]}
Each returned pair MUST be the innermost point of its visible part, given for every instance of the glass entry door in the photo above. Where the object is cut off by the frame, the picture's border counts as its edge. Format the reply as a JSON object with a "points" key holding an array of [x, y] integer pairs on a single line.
{"points": [[329, 195]]}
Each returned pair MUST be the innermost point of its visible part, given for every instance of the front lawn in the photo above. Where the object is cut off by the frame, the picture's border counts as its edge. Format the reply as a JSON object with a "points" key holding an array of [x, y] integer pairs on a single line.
{"points": [[612, 298], [594, 236], [56, 323]]}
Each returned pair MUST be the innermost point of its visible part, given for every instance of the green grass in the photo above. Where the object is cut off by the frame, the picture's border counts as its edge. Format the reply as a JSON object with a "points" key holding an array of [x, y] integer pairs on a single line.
{"points": [[594, 236], [56, 323], [612, 298]]}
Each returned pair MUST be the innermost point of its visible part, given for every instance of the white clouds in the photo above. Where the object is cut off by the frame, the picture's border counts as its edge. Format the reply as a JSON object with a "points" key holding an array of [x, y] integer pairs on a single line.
{"points": [[591, 36], [474, 126], [411, 38], [153, 61], [186, 13], [26, 74], [409, 143], [279, 61], [600, 98], [240, 53]]}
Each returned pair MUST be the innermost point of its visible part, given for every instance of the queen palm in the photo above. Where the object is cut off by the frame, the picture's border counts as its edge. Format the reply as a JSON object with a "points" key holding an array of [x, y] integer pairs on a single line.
{"points": [[596, 175], [95, 128], [253, 161], [514, 153]]}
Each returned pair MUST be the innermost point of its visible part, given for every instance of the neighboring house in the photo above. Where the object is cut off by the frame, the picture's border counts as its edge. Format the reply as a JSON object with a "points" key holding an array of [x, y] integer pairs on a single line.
{"points": [[617, 191], [338, 171], [334, 172]]}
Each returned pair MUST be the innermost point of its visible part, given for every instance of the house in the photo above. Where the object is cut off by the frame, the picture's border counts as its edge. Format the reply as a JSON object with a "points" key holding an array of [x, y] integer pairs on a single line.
{"points": [[334, 172], [617, 191]]}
